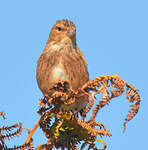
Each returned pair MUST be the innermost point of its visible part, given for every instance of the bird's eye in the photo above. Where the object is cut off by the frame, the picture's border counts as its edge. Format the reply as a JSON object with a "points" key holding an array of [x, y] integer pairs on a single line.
{"points": [[59, 28]]}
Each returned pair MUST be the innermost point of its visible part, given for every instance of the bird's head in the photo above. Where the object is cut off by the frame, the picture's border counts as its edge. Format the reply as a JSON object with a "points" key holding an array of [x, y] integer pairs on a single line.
{"points": [[63, 29]]}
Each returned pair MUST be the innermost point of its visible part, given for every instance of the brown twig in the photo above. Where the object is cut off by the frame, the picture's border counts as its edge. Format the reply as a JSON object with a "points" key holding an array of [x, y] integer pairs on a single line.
{"points": [[32, 132]]}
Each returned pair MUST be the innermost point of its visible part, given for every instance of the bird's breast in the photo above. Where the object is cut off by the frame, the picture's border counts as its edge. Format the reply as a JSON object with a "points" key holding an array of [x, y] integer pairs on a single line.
{"points": [[58, 73]]}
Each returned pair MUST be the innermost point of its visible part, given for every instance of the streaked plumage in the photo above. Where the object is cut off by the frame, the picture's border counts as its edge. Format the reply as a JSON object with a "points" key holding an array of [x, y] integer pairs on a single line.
{"points": [[62, 59]]}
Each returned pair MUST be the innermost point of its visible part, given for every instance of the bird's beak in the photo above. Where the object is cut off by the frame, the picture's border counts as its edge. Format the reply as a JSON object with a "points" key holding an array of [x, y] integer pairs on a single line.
{"points": [[71, 32]]}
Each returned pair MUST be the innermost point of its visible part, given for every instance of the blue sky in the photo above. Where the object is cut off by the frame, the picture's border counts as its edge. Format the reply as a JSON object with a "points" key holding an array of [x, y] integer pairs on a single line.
{"points": [[113, 36]]}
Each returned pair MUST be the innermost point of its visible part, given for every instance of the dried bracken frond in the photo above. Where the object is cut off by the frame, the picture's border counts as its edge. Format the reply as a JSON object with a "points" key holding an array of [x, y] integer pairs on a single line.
{"points": [[13, 134], [66, 132], [3, 115], [20, 147], [7, 132], [100, 85], [60, 122], [133, 96]]}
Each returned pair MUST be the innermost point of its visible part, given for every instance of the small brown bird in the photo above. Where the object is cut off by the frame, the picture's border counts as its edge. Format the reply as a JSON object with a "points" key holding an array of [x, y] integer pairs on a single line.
{"points": [[62, 60]]}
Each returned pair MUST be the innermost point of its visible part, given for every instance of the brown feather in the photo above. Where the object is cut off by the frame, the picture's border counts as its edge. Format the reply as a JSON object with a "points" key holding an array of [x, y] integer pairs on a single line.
{"points": [[62, 59]]}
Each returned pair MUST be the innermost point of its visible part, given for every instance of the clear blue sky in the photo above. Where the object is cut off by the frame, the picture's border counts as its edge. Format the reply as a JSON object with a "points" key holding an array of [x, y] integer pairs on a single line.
{"points": [[113, 36]]}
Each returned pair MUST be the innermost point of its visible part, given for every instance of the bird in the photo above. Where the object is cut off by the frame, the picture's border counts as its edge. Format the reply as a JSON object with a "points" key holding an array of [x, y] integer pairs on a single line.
{"points": [[62, 59]]}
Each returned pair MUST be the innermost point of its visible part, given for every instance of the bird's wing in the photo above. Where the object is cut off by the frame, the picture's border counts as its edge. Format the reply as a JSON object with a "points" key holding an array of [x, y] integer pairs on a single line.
{"points": [[45, 65], [76, 67]]}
